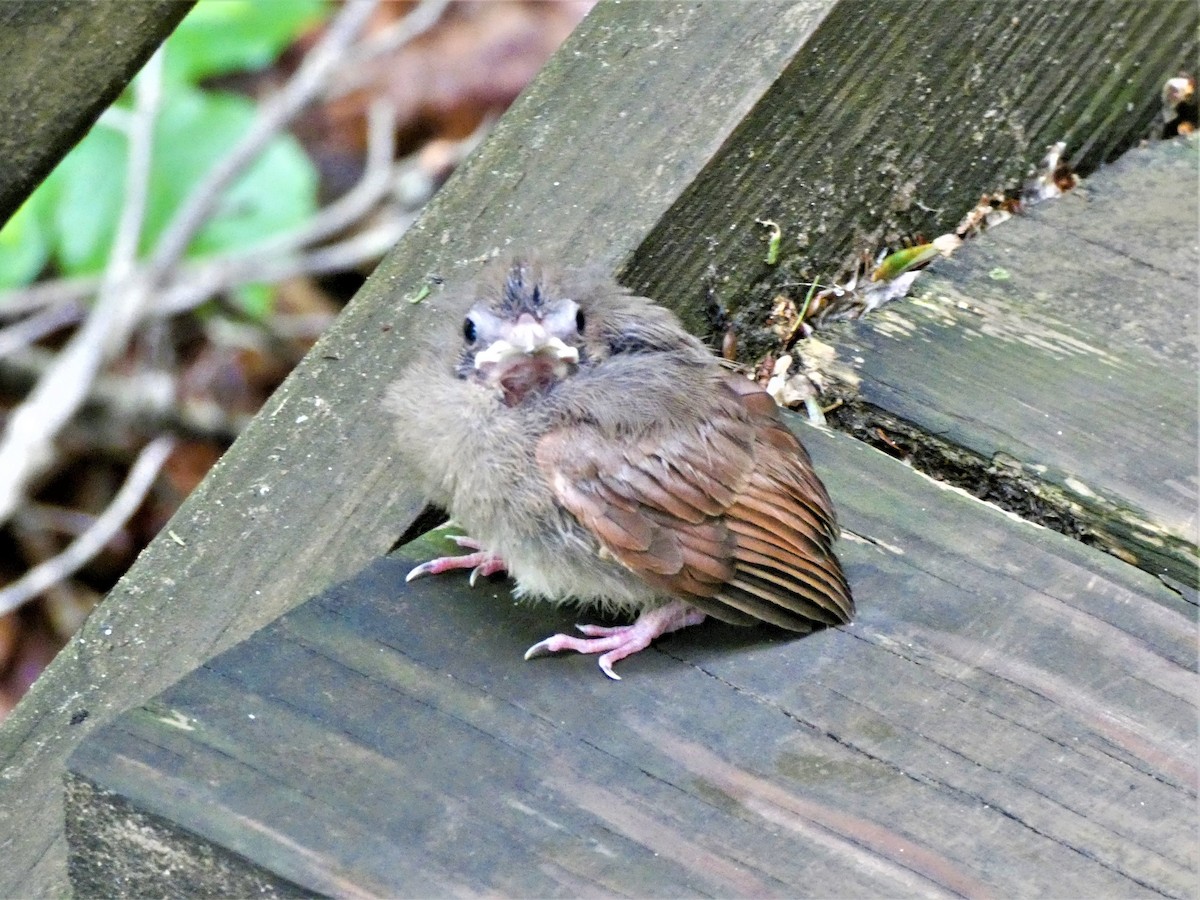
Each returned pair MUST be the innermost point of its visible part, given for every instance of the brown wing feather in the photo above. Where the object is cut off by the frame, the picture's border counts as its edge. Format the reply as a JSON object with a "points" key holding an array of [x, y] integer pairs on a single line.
{"points": [[730, 516]]}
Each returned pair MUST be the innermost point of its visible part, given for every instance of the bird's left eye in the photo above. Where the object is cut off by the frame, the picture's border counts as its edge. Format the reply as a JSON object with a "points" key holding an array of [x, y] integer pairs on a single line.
{"points": [[580, 321], [469, 330]]}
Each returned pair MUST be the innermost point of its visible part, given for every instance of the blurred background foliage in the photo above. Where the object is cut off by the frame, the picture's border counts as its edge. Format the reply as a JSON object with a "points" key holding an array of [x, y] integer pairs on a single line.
{"points": [[69, 222]]}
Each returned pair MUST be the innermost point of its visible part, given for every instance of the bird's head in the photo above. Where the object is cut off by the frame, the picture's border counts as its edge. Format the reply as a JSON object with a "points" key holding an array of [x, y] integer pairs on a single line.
{"points": [[524, 339]]}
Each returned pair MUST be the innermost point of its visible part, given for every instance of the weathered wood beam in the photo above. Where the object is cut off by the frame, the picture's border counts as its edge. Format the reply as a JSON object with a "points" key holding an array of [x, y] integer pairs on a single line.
{"points": [[1010, 714], [61, 65], [891, 122], [1050, 366]]}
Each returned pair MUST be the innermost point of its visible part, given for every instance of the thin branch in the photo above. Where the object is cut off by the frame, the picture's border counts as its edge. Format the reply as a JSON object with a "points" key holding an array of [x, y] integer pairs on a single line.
{"points": [[77, 554], [143, 400], [271, 260], [193, 282], [54, 292], [366, 245], [29, 331], [125, 291], [413, 185], [122, 257], [354, 72], [301, 89], [355, 203], [26, 446], [68, 293], [278, 258], [230, 271], [200, 202]]}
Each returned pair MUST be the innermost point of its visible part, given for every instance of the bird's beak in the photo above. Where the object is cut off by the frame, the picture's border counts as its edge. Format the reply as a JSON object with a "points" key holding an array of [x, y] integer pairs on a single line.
{"points": [[528, 337]]}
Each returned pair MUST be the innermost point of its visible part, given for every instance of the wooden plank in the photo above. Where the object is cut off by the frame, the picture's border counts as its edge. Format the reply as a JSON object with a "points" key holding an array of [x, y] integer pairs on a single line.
{"points": [[586, 165], [61, 65], [887, 126], [224, 874], [1057, 355], [1013, 714]]}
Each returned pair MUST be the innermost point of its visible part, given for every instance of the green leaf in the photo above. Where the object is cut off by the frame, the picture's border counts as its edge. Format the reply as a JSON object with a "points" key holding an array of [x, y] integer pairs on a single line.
{"points": [[195, 130], [222, 36], [91, 188], [25, 241], [256, 300], [896, 264], [277, 193]]}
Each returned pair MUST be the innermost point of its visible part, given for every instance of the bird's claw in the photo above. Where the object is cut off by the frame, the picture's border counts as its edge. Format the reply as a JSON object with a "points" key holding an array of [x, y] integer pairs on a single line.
{"points": [[481, 562], [615, 642], [616, 645]]}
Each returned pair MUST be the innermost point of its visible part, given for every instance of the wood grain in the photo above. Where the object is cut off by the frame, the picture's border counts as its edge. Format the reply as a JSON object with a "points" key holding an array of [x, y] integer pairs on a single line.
{"points": [[61, 65], [890, 122], [310, 493], [1011, 714], [1062, 348]]}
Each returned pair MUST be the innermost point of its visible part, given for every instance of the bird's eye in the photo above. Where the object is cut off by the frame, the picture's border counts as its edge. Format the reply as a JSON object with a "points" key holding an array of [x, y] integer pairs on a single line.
{"points": [[580, 321], [469, 331]]}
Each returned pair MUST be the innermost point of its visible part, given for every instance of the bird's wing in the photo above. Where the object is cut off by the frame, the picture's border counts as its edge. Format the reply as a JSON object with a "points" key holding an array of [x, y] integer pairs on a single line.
{"points": [[727, 515]]}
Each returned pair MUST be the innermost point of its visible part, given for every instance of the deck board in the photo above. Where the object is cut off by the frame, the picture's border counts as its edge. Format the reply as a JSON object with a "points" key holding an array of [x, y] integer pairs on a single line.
{"points": [[1063, 345], [1011, 713]]}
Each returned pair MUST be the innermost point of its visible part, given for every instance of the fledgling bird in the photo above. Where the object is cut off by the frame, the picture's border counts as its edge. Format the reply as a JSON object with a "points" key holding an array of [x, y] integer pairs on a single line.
{"points": [[600, 454]]}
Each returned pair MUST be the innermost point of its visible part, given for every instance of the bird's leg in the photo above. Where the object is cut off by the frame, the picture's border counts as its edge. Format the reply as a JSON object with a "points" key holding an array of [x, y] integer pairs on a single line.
{"points": [[481, 562], [620, 641]]}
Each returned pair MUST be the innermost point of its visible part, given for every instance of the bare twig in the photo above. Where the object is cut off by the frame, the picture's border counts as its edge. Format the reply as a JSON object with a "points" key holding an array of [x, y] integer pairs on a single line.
{"points": [[141, 477], [231, 271], [192, 283], [301, 89], [355, 71], [54, 292], [284, 257], [59, 299], [122, 256], [27, 443], [26, 446], [366, 245], [37, 326], [314, 77], [125, 291], [143, 400], [356, 202]]}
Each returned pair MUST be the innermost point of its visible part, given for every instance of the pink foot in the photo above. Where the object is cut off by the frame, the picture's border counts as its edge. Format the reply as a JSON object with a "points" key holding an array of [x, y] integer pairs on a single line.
{"points": [[480, 563], [620, 641]]}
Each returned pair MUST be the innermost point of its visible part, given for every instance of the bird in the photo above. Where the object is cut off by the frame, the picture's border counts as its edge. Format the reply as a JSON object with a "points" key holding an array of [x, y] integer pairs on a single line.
{"points": [[602, 455]]}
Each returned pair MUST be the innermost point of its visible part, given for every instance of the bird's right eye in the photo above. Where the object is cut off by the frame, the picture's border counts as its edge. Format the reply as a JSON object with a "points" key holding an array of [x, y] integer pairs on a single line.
{"points": [[469, 331]]}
